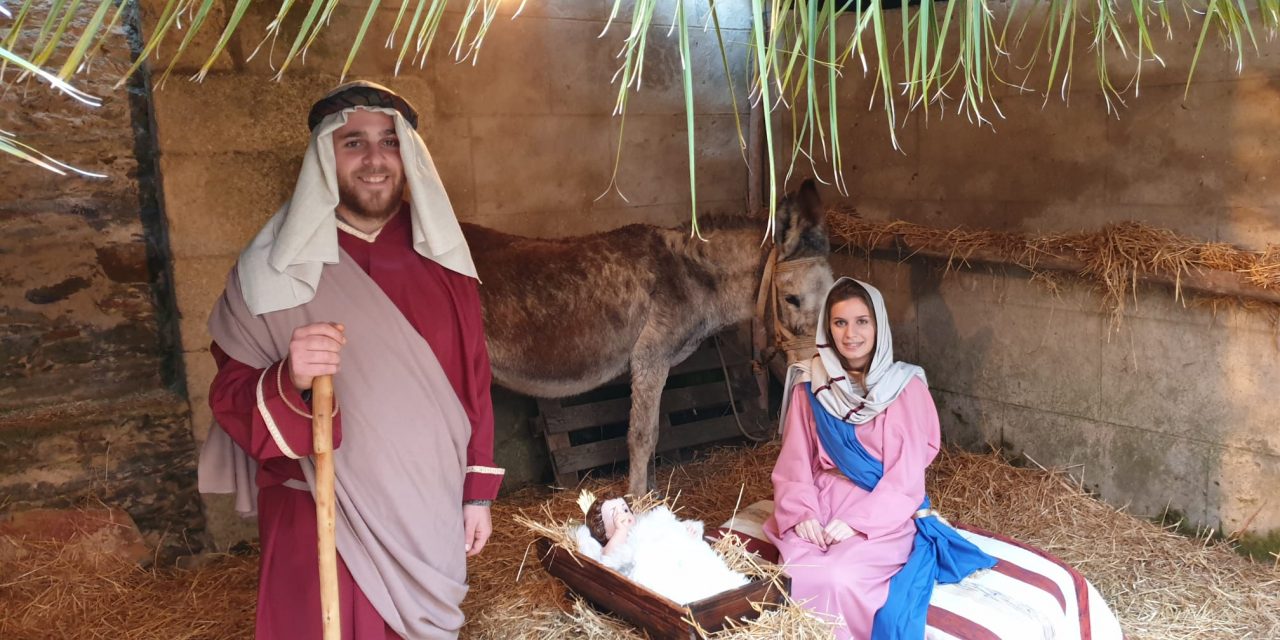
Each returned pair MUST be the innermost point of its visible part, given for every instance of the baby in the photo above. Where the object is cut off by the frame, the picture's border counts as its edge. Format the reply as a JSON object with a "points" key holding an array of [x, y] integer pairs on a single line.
{"points": [[654, 549]]}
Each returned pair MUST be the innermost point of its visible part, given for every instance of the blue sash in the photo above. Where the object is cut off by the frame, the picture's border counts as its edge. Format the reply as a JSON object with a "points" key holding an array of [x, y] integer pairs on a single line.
{"points": [[938, 554]]}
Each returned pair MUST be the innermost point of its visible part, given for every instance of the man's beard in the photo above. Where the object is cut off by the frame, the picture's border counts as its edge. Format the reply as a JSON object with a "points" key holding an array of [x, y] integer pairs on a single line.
{"points": [[376, 207]]}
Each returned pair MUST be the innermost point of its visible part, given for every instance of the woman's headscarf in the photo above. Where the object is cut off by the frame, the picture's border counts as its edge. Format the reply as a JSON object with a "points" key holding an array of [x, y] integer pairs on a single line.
{"points": [[885, 380]]}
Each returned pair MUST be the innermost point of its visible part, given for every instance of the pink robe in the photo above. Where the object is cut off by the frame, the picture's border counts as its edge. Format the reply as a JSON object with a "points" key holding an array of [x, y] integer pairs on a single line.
{"points": [[851, 578]]}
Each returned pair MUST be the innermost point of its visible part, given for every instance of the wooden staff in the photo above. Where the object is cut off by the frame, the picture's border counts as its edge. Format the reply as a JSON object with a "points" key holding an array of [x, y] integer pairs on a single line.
{"points": [[326, 515]]}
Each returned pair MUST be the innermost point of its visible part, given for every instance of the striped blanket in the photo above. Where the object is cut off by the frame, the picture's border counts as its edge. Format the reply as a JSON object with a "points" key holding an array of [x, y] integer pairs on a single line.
{"points": [[1029, 594]]}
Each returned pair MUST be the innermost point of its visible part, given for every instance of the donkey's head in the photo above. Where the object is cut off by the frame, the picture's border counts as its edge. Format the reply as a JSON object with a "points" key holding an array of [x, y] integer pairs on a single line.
{"points": [[803, 274]]}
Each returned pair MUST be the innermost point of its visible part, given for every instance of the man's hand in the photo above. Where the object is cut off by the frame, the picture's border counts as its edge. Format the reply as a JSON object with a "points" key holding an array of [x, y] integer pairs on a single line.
{"points": [[811, 531], [838, 531], [476, 527], [313, 351]]}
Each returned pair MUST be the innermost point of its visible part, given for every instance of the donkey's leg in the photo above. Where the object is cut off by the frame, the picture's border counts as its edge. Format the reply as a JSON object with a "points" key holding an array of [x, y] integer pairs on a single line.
{"points": [[648, 376]]}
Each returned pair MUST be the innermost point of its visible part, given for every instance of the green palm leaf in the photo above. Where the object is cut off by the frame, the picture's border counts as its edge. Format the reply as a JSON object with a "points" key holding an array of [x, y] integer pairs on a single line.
{"points": [[953, 54]]}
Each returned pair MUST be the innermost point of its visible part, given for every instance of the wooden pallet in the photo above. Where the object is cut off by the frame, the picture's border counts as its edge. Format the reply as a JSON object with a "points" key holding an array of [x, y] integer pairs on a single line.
{"points": [[589, 431]]}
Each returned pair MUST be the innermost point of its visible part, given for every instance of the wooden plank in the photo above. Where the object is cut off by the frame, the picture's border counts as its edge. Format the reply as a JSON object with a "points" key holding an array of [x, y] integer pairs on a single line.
{"points": [[714, 612], [594, 454], [619, 410], [661, 617], [560, 442], [613, 591]]}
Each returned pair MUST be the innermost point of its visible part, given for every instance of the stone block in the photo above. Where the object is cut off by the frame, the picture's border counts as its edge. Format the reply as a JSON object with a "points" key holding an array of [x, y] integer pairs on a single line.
{"points": [[654, 167], [971, 423], [1225, 152], [1193, 382], [1051, 154], [540, 163], [1243, 487], [710, 83], [661, 87], [198, 282], [448, 139], [235, 112], [999, 352], [511, 77], [1251, 228], [855, 88], [583, 67], [1146, 473], [216, 203], [198, 48], [872, 167]]}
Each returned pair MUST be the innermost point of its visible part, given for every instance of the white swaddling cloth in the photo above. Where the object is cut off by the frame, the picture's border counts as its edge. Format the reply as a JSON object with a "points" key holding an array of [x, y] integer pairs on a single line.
{"points": [[666, 556]]}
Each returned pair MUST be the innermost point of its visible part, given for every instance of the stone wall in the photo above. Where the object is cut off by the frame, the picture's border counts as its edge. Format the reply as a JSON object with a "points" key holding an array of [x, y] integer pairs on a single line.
{"points": [[90, 407], [1172, 410], [524, 141]]}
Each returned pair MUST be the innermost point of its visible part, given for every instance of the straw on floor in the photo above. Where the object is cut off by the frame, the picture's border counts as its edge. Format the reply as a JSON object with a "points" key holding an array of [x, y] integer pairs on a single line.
{"points": [[1160, 583]]}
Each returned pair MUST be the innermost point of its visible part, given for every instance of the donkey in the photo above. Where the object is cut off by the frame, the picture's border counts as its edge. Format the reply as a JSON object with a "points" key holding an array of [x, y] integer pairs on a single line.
{"points": [[565, 316]]}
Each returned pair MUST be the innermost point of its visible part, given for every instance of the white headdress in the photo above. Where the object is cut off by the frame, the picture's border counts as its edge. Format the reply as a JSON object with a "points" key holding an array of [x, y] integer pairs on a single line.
{"points": [[885, 380], [281, 267]]}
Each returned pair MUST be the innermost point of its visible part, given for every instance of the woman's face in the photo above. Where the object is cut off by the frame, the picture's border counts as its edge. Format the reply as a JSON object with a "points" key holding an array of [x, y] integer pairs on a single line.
{"points": [[853, 329]]}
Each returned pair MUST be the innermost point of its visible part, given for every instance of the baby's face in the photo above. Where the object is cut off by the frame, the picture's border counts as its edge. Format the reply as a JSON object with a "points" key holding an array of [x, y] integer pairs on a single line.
{"points": [[624, 519]]}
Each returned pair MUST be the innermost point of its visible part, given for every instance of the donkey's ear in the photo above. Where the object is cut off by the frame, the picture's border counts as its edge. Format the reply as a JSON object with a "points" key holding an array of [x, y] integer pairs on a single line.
{"points": [[801, 224], [810, 202]]}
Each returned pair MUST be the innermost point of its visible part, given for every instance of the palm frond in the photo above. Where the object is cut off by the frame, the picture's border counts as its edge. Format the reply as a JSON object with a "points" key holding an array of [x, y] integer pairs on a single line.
{"points": [[919, 58]]}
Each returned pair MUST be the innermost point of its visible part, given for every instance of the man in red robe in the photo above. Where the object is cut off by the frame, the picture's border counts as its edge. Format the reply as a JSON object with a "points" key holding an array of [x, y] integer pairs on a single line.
{"points": [[285, 312]]}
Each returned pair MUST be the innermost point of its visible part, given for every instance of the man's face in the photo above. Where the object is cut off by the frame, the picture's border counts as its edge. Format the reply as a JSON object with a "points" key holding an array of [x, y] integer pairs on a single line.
{"points": [[370, 172]]}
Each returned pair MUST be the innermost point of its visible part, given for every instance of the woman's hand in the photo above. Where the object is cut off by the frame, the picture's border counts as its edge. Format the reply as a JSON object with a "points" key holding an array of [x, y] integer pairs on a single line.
{"points": [[811, 531], [838, 531]]}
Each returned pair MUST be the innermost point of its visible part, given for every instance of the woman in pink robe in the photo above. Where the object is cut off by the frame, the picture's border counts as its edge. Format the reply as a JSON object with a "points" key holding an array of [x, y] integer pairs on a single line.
{"points": [[850, 579], [842, 543]]}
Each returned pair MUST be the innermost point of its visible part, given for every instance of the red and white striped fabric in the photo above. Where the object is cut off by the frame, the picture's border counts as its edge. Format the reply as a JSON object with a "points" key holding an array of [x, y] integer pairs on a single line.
{"points": [[1028, 594]]}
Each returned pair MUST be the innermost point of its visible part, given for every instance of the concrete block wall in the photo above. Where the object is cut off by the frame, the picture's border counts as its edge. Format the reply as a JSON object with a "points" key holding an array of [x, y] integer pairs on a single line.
{"points": [[1174, 409], [524, 141]]}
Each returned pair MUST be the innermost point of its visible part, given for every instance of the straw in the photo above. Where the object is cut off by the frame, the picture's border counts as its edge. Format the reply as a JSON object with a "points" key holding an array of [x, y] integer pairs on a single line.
{"points": [[1116, 258], [1160, 583]]}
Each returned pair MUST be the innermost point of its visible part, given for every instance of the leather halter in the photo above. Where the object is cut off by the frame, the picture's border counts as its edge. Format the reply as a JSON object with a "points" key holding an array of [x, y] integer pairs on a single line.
{"points": [[767, 300]]}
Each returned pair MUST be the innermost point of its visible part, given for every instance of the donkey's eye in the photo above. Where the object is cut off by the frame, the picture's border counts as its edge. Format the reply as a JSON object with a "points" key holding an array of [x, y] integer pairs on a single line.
{"points": [[793, 300]]}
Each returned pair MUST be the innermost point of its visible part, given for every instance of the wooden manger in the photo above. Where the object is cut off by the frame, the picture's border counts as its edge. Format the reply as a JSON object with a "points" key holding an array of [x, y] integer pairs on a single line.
{"points": [[659, 616], [698, 407]]}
